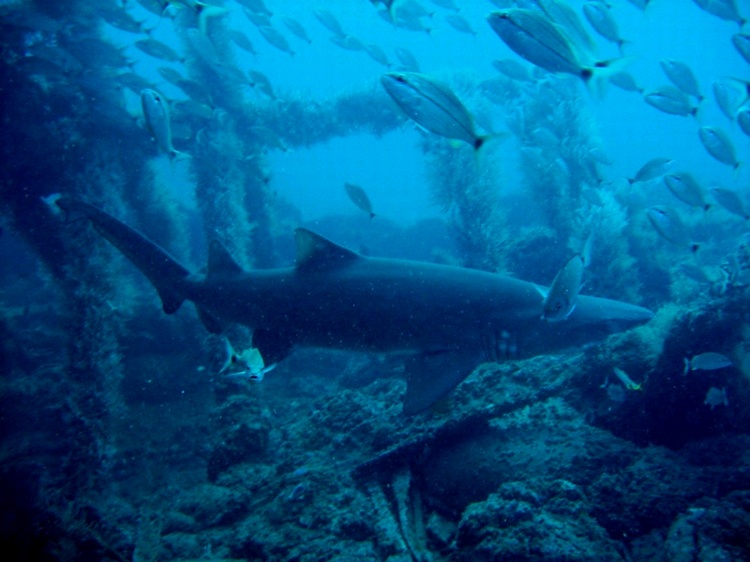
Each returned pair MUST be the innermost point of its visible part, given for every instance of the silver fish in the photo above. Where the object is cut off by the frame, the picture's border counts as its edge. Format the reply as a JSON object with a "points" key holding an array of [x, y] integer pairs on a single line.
{"points": [[741, 42], [708, 361], [671, 100], [359, 198], [407, 59], [563, 293], [670, 227], [156, 113], [513, 70], [296, 28], [686, 188], [157, 49], [329, 21], [348, 42], [377, 54], [716, 397], [652, 169], [600, 17], [262, 82], [459, 23], [276, 39], [743, 119], [625, 81], [723, 9], [681, 76], [242, 41], [432, 106], [256, 6], [726, 98], [718, 145], [625, 379], [535, 38], [730, 201]]}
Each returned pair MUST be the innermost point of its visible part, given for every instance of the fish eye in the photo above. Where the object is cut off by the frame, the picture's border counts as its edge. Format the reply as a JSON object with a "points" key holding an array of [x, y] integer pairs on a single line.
{"points": [[558, 306], [399, 78]]}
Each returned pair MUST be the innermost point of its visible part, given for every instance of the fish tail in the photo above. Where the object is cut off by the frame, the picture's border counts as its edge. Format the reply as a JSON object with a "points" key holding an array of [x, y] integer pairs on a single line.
{"points": [[163, 271], [686, 368], [694, 247]]}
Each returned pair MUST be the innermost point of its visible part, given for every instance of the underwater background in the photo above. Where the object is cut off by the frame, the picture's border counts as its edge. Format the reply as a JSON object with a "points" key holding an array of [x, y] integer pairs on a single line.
{"points": [[122, 439]]}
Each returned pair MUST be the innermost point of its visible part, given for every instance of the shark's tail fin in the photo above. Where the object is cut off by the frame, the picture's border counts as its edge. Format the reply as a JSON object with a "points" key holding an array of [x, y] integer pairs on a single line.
{"points": [[158, 266]]}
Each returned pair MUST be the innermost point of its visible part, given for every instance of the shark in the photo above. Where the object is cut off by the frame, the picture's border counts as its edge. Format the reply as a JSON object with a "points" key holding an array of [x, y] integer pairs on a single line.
{"points": [[445, 320]]}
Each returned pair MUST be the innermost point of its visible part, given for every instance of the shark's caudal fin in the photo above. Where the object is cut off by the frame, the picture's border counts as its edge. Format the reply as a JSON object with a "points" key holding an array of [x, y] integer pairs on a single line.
{"points": [[158, 266]]}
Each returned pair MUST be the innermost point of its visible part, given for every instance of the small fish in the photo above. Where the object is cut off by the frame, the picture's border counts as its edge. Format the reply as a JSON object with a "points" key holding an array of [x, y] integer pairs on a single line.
{"points": [[670, 227], [51, 200], [686, 188], [640, 4], [532, 36], [262, 82], [378, 55], [296, 28], [242, 41], [741, 42], [708, 361], [723, 9], [276, 39], [670, 99], [600, 17], [329, 21], [743, 119], [132, 81], [513, 70], [158, 50], [359, 198], [248, 363], [447, 4], [432, 106], [257, 7], [730, 201], [460, 24], [258, 20], [408, 61], [625, 379], [203, 47], [561, 299], [120, 19], [348, 42], [156, 113], [652, 169], [625, 81], [716, 397], [682, 77], [726, 98], [718, 145]]}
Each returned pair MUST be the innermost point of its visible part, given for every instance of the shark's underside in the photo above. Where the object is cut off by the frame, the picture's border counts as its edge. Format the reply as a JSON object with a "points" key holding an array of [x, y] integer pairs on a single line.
{"points": [[449, 319]]}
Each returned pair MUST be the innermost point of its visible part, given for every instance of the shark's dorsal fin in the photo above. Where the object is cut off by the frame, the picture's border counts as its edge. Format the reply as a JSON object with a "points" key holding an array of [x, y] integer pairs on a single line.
{"points": [[219, 260], [316, 252]]}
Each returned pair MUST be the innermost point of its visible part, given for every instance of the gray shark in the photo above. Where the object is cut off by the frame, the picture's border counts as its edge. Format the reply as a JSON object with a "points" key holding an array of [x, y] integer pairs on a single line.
{"points": [[447, 319]]}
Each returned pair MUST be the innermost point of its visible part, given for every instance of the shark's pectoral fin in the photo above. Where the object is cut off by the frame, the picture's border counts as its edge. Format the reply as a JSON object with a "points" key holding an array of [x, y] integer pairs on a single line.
{"points": [[430, 376], [273, 346]]}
